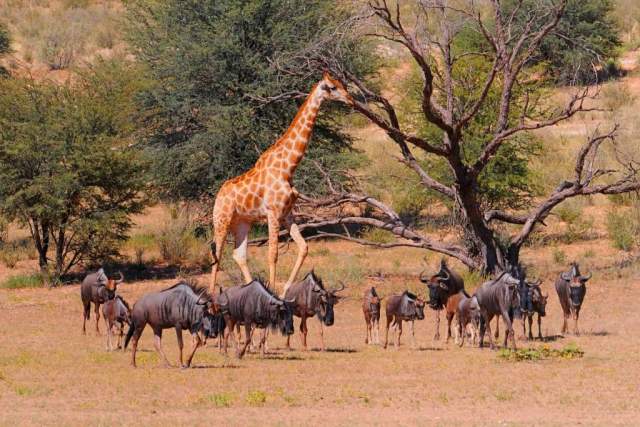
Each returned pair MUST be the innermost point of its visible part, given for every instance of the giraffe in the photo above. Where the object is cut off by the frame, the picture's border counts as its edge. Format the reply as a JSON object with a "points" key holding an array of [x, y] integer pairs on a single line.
{"points": [[266, 192]]}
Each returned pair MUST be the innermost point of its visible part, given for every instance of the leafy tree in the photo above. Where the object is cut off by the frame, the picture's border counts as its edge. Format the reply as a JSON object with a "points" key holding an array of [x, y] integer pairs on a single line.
{"points": [[66, 169], [586, 37], [220, 100]]}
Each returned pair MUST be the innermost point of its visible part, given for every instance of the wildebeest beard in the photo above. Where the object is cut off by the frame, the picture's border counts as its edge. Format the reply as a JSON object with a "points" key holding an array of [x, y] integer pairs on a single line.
{"points": [[436, 296], [213, 324], [576, 294]]}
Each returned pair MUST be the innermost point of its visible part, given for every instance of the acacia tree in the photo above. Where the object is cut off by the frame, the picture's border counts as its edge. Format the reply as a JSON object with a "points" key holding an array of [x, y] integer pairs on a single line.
{"points": [[429, 32]]}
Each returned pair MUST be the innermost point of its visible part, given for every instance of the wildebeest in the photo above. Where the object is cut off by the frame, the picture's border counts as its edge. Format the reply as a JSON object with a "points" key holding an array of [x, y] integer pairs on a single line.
{"points": [[406, 306], [116, 312], [498, 297], [371, 310], [538, 305], [96, 288], [182, 306], [312, 299], [254, 305], [444, 285], [468, 313], [571, 288]]}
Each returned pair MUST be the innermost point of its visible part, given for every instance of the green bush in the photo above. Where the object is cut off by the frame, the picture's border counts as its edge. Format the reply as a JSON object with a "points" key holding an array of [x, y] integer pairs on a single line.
{"points": [[623, 230], [21, 281]]}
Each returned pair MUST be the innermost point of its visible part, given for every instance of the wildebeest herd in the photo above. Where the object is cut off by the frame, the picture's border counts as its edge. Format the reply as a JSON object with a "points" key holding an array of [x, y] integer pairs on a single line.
{"points": [[185, 306]]}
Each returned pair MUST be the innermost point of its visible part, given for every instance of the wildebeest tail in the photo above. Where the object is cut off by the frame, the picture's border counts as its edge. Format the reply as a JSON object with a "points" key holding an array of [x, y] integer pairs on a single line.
{"points": [[132, 328]]}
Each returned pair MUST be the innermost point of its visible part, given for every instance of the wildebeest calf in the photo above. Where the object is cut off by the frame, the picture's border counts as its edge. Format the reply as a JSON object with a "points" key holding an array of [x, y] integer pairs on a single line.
{"points": [[468, 314], [116, 312], [571, 288], [182, 306], [539, 306], [406, 306], [371, 310], [96, 288]]}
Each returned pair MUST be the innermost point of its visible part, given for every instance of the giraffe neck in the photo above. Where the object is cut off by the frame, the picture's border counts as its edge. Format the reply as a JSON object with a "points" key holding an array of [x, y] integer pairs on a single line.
{"points": [[293, 144]]}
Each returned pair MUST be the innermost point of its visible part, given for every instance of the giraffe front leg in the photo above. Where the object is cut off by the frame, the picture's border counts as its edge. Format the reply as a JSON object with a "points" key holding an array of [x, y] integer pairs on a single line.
{"points": [[303, 249], [240, 232], [274, 228], [221, 225]]}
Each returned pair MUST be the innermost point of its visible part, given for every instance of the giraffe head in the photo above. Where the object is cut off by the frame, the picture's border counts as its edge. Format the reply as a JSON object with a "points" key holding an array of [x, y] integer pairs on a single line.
{"points": [[334, 90]]}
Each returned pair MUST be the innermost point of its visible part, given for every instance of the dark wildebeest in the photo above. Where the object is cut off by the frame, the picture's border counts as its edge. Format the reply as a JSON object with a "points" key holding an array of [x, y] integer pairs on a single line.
{"points": [[538, 305], [445, 290], [96, 288], [406, 306], [498, 297], [312, 299], [571, 288], [371, 310], [526, 292], [116, 312], [182, 306], [253, 305], [468, 313]]}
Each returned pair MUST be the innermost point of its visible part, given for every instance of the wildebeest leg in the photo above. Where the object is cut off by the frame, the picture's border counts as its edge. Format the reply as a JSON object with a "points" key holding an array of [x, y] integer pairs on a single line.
{"points": [[399, 326], [461, 331], [97, 317], [195, 343], [134, 342], [247, 332], [180, 343], [321, 336], [449, 320], [497, 335], [530, 321], [377, 331], [303, 332], [436, 337], [85, 316], [508, 324], [539, 326], [413, 335], [106, 325], [263, 342], [386, 335], [120, 336], [367, 335], [565, 316], [488, 326], [157, 342], [576, 315]]}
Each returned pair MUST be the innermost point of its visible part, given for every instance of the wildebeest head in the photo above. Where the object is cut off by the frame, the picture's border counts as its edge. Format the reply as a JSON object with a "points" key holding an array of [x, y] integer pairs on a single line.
{"points": [[213, 324], [412, 307], [474, 310], [539, 299], [326, 299], [285, 316], [577, 284], [107, 287], [439, 286]]}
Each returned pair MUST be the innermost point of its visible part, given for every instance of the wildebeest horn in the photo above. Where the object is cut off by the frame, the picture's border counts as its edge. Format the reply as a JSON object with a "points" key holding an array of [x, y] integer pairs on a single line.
{"points": [[291, 301], [585, 278], [342, 286], [423, 278], [121, 279], [566, 276], [445, 272], [536, 282]]}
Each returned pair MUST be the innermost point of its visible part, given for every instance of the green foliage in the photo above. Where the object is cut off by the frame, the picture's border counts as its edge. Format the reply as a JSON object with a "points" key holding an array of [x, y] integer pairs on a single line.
{"points": [[532, 354], [66, 169], [213, 64], [21, 281], [220, 400], [179, 245], [378, 235], [586, 37], [623, 228], [5, 45]]}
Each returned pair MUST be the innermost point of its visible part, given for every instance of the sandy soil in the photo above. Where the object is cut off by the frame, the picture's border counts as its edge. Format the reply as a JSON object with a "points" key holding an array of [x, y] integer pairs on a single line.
{"points": [[51, 374]]}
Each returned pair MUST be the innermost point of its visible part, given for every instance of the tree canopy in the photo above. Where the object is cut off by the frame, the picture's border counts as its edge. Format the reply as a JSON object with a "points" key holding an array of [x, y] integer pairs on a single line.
{"points": [[5, 45], [220, 99], [66, 169]]}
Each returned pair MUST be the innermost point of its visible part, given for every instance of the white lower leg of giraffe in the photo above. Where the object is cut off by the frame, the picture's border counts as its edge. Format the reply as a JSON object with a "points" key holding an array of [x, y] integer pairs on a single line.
{"points": [[303, 249], [241, 235]]}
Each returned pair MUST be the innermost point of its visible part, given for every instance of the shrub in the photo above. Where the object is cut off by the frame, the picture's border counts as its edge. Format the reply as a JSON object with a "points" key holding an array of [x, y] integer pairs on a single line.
{"points": [[378, 235], [256, 398], [4, 229], [9, 256], [559, 257], [622, 230], [570, 351], [24, 281]]}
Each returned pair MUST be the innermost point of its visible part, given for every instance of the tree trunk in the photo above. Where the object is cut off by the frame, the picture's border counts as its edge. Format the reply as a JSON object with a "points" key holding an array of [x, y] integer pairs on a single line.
{"points": [[40, 234]]}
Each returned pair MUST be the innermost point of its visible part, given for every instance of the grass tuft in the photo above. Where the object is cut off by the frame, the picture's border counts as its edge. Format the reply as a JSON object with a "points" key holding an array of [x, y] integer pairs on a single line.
{"points": [[22, 281], [256, 398], [532, 354]]}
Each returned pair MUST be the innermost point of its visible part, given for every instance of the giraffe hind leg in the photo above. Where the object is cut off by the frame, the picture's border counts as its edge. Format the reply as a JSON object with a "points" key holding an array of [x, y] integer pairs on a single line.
{"points": [[240, 232], [303, 249]]}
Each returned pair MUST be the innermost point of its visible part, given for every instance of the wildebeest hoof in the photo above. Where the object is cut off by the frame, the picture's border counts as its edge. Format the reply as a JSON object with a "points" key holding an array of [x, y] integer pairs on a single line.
{"points": [[184, 366]]}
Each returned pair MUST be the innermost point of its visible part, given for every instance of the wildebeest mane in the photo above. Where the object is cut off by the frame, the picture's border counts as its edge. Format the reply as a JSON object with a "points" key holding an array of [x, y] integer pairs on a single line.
{"points": [[125, 303], [201, 291]]}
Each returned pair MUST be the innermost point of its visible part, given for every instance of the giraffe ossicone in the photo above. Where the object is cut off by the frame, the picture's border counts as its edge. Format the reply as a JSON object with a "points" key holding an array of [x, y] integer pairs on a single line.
{"points": [[265, 193]]}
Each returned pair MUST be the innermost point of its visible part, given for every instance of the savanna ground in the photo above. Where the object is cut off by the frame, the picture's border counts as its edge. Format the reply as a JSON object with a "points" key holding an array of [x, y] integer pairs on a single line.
{"points": [[51, 374]]}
